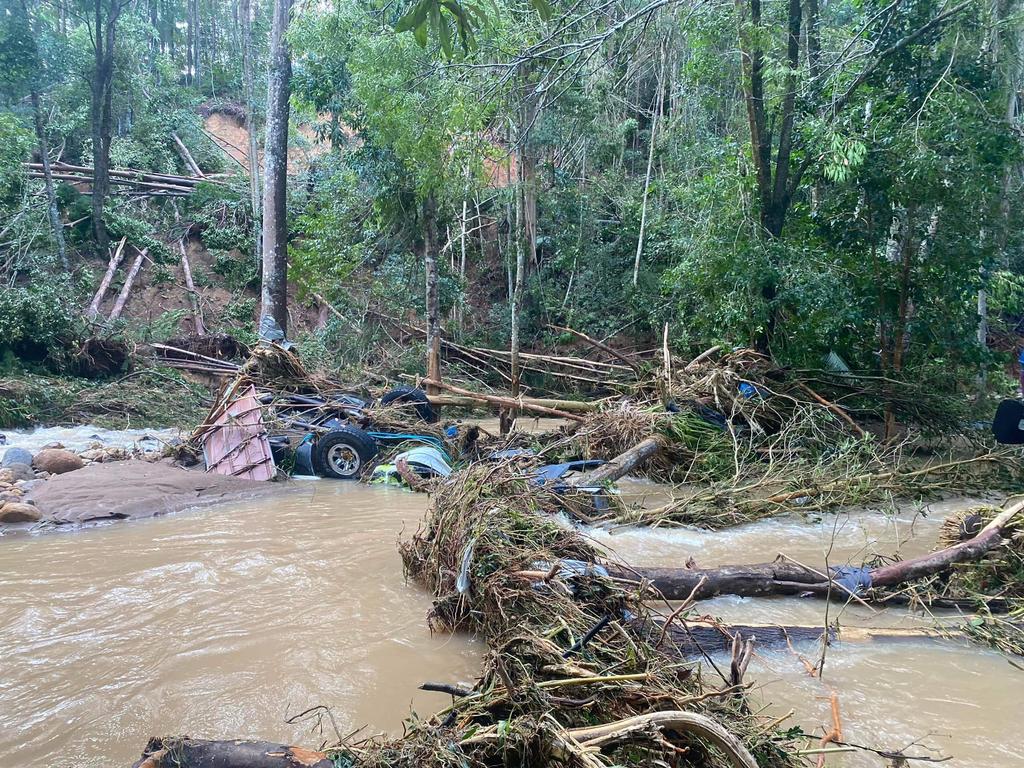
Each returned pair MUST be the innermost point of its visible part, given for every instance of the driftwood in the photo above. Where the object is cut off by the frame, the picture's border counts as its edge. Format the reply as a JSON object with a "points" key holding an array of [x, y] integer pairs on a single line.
{"points": [[624, 463], [784, 577], [115, 259], [126, 289], [512, 403], [183, 752]]}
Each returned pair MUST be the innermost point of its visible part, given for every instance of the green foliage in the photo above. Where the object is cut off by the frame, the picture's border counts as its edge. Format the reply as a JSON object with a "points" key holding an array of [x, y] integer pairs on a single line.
{"points": [[38, 321], [15, 143], [239, 273]]}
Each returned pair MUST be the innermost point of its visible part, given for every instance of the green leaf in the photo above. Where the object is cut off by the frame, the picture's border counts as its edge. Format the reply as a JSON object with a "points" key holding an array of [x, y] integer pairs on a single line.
{"points": [[543, 9], [414, 19]]}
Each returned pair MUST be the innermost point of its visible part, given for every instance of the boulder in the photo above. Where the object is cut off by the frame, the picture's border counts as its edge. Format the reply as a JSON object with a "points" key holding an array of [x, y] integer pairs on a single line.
{"points": [[19, 472], [16, 456], [6, 496], [17, 512], [57, 461], [27, 485]]}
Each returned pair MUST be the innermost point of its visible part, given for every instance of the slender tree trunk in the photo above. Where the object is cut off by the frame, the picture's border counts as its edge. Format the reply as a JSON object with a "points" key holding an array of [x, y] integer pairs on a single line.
{"points": [[250, 122], [517, 288], [274, 294], [658, 103], [51, 196], [102, 115], [432, 293]]}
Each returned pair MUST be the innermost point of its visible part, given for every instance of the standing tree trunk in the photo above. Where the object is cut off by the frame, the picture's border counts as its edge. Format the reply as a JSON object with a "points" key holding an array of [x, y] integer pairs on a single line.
{"points": [[51, 196], [433, 296], [102, 109], [250, 123], [274, 294]]}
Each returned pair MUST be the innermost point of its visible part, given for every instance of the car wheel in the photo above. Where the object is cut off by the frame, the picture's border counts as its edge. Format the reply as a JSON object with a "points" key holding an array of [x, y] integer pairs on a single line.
{"points": [[343, 453], [417, 398]]}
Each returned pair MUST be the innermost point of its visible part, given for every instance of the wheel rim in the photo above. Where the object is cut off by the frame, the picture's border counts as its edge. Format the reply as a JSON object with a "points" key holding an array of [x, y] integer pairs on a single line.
{"points": [[344, 460]]}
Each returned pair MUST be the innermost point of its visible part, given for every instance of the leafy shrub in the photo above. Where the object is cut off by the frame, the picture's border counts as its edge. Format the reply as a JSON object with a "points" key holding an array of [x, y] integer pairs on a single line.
{"points": [[238, 273]]}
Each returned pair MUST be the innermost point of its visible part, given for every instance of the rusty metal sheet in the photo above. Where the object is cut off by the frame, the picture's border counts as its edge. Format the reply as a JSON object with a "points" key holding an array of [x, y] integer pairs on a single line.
{"points": [[237, 444]]}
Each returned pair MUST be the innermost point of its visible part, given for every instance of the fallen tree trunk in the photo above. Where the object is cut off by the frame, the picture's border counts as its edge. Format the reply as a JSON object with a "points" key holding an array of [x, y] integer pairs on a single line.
{"points": [[186, 156], [115, 259], [126, 289], [784, 577], [624, 463], [183, 752], [193, 294], [506, 402], [598, 345]]}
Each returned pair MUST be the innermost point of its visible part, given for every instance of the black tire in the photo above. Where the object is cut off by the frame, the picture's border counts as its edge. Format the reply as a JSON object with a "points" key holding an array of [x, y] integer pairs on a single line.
{"points": [[417, 397], [343, 454]]}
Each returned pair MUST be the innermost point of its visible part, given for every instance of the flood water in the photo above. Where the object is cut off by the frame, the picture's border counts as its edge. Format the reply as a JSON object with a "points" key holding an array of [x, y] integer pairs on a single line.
{"points": [[216, 623], [224, 622], [956, 700]]}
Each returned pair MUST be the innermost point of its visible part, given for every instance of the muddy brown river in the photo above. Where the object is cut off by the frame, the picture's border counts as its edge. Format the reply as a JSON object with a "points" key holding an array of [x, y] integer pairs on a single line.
{"points": [[227, 621]]}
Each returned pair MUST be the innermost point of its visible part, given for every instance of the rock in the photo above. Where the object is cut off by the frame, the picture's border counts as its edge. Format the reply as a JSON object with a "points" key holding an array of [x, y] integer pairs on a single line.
{"points": [[3, 439], [20, 472], [7, 496], [16, 456], [57, 461], [16, 512], [27, 485], [53, 445]]}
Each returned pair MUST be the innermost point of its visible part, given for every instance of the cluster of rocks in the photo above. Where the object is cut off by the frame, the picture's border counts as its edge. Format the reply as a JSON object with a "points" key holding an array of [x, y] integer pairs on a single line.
{"points": [[21, 471]]}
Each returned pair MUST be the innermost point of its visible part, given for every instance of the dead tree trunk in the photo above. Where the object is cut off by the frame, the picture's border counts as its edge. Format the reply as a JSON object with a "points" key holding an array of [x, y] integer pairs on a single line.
{"points": [[193, 294], [173, 752], [784, 577], [126, 289], [115, 259], [186, 156], [274, 293]]}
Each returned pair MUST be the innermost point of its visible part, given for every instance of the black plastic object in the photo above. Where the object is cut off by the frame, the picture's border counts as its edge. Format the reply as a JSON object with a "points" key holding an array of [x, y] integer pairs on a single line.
{"points": [[1008, 424], [343, 453], [416, 397]]}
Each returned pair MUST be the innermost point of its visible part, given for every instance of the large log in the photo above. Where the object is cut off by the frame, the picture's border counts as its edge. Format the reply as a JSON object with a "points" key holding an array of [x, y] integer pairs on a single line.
{"points": [[183, 752], [624, 463], [784, 577]]}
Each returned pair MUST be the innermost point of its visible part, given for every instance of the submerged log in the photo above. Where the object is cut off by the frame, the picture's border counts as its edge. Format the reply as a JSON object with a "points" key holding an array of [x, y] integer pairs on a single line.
{"points": [[784, 577], [183, 752]]}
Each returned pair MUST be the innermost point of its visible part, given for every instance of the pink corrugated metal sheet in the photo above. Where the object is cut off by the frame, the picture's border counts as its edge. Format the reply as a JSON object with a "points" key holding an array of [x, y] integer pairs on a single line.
{"points": [[237, 444]]}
